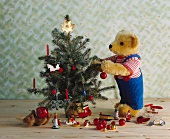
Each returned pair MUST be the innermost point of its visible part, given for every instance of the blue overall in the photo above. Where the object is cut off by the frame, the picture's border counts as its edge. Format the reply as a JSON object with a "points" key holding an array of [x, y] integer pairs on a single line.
{"points": [[131, 91]]}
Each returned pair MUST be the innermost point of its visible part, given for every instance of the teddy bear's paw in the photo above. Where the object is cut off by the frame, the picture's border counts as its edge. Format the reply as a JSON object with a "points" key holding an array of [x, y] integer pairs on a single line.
{"points": [[105, 66], [124, 108], [96, 61]]}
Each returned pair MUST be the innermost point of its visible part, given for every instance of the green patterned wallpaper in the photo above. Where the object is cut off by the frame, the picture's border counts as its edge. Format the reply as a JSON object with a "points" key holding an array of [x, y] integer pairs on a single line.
{"points": [[26, 25]]}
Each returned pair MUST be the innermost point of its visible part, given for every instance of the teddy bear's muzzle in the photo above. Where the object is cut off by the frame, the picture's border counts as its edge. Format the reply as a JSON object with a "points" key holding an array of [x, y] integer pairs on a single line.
{"points": [[110, 46]]}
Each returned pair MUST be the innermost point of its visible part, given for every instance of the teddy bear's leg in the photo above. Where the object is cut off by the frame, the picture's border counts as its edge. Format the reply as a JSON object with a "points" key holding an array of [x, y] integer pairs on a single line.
{"points": [[131, 93], [124, 108]]}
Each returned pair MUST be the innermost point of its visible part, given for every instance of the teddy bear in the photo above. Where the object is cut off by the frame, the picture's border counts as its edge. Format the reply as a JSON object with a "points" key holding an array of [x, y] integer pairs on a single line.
{"points": [[125, 67], [34, 119]]}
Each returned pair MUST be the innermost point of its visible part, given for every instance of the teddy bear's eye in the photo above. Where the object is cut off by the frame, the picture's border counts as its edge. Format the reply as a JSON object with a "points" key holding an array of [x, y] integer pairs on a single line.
{"points": [[121, 43]]}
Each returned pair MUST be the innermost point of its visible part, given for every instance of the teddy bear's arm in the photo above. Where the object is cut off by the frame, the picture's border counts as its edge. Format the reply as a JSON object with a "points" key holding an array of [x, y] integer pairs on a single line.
{"points": [[114, 68]]}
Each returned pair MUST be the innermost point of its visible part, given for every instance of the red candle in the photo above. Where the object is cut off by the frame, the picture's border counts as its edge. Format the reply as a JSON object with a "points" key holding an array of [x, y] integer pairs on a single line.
{"points": [[47, 50], [34, 83], [66, 94]]}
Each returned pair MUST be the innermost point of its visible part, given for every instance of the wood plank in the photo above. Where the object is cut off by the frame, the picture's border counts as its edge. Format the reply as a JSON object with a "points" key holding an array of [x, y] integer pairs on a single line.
{"points": [[12, 111]]}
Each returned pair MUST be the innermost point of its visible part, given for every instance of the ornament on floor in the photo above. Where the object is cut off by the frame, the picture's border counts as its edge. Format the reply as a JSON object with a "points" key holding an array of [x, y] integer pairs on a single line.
{"points": [[156, 122], [70, 120], [142, 120], [122, 122], [116, 114], [52, 68], [55, 121], [86, 123], [103, 75], [40, 118], [128, 116], [105, 116], [77, 124], [152, 109], [42, 112], [111, 127], [85, 112], [102, 124]]}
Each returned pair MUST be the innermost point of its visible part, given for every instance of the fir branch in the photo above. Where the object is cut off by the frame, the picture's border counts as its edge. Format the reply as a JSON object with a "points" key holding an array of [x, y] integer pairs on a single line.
{"points": [[60, 45], [82, 45], [86, 52], [77, 39], [106, 88]]}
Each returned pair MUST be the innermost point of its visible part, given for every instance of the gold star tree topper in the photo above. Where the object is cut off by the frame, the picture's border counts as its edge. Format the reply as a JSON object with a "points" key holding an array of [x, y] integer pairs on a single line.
{"points": [[67, 26]]}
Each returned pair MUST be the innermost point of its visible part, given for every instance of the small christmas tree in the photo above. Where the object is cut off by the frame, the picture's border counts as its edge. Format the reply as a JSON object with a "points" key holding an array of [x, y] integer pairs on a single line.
{"points": [[68, 71]]}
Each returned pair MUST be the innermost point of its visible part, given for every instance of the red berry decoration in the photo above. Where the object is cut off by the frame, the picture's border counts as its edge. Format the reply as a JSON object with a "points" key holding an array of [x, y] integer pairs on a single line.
{"points": [[53, 91], [73, 67], [96, 121], [42, 112], [104, 122], [61, 70], [122, 122], [108, 127], [103, 75], [99, 126], [113, 123], [90, 97]]}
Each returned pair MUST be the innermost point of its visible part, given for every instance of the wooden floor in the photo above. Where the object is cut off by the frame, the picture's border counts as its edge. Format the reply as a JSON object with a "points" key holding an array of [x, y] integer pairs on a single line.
{"points": [[12, 127]]}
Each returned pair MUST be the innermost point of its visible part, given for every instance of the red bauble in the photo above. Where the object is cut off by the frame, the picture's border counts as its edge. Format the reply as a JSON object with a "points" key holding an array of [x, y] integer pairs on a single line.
{"points": [[108, 127], [113, 123], [103, 75], [73, 67], [122, 122], [104, 122], [53, 91], [99, 126], [42, 112], [96, 121], [90, 97], [61, 70]]}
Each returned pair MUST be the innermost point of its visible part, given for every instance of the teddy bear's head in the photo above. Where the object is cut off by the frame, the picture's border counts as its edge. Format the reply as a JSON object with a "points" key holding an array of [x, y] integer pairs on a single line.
{"points": [[125, 43], [30, 119]]}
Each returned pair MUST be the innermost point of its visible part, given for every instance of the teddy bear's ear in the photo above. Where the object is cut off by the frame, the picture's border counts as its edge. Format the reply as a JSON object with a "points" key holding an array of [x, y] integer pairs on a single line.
{"points": [[135, 41]]}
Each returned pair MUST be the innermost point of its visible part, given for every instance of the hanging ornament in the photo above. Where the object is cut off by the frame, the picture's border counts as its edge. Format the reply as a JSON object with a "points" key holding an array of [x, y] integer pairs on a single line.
{"points": [[84, 93], [53, 91], [52, 68], [66, 94], [90, 97], [61, 70], [67, 26], [42, 112], [103, 75], [73, 67]]}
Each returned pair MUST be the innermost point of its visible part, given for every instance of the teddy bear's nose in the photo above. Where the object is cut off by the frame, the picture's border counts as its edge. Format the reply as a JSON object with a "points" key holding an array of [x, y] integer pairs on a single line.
{"points": [[110, 46]]}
